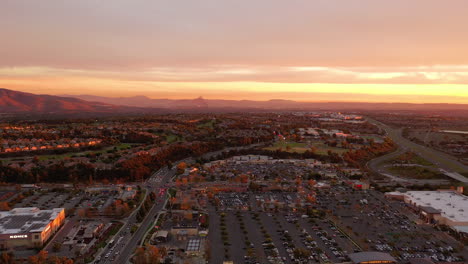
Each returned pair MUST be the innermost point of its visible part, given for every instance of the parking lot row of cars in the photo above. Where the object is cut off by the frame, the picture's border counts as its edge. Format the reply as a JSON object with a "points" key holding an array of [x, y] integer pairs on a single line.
{"points": [[386, 225], [347, 225]]}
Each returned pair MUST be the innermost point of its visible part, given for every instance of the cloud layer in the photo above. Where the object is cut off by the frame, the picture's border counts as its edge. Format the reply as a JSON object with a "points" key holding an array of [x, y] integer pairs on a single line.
{"points": [[210, 46]]}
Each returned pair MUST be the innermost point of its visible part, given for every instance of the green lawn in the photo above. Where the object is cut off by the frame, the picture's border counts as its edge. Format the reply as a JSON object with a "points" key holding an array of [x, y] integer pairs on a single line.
{"points": [[410, 158], [171, 138], [420, 161], [289, 146], [84, 153], [209, 124], [124, 146], [415, 172], [64, 155], [323, 149]]}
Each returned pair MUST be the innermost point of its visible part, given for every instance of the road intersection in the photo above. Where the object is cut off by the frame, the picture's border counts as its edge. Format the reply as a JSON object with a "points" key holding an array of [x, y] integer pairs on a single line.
{"points": [[447, 164]]}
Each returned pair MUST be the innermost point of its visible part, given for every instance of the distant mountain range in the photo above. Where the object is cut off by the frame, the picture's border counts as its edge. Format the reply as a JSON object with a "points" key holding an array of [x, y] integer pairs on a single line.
{"points": [[274, 104], [18, 102], [143, 101], [21, 102]]}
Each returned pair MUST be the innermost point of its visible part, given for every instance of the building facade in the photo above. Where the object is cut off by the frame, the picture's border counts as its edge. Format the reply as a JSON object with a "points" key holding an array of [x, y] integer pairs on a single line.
{"points": [[29, 227]]}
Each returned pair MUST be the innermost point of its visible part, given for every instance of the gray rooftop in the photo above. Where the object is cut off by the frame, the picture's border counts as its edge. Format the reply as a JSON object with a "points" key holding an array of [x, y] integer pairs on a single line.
{"points": [[26, 220]]}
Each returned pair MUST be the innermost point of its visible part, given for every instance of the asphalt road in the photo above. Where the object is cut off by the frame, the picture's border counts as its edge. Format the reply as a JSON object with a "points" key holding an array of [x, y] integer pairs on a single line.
{"points": [[126, 243], [131, 245], [449, 164]]}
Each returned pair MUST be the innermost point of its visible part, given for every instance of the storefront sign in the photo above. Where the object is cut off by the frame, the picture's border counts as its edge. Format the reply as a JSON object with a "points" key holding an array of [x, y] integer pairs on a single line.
{"points": [[19, 236]]}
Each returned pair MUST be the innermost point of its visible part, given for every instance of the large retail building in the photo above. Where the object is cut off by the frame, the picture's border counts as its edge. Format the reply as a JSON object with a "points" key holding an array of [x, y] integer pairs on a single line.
{"points": [[29, 227], [445, 207]]}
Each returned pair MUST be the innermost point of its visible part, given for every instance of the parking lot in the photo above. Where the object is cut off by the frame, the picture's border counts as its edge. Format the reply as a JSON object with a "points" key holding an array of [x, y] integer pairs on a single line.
{"points": [[275, 238], [261, 171], [354, 221], [98, 201], [50, 199], [68, 199], [376, 223]]}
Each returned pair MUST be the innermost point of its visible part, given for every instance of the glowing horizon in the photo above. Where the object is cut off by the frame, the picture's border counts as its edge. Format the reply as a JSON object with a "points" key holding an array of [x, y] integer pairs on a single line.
{"points": [[318, 50]]}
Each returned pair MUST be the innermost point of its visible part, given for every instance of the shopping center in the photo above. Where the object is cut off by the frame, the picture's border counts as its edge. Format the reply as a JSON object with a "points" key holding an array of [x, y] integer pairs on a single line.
{"points": [[29, 227]]}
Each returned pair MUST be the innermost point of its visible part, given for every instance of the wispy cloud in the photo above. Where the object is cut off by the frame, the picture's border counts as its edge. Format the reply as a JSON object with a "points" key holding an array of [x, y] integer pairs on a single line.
{"points": [[282, 74]]}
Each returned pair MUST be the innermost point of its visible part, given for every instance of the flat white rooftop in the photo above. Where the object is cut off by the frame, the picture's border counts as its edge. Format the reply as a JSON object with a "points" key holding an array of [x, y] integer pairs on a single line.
{"points": [[26, 220], [452, 205]]}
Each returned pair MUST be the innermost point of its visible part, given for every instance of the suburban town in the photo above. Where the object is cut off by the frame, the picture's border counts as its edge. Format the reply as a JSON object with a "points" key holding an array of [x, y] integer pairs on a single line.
{"points": [[234, 132], [279, 187]]}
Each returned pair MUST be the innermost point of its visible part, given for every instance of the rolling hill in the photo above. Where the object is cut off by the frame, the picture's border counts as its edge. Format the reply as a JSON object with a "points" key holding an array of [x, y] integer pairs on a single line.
{"points": [[274, 104], [17, 102], [21, 102]]}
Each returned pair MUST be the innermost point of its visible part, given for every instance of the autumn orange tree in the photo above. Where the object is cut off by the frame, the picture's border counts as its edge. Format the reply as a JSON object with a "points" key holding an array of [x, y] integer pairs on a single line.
{"points": [[4, 206], [149, 255], [7, 258], [181, 167]]}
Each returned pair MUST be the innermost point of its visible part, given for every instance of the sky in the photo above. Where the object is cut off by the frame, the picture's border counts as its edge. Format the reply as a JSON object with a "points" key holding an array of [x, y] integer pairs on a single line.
{"points": [[306, 50]]}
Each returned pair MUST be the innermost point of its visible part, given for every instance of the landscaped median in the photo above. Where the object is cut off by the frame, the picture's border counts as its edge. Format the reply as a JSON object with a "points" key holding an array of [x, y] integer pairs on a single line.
{"points": [[104, 239]]}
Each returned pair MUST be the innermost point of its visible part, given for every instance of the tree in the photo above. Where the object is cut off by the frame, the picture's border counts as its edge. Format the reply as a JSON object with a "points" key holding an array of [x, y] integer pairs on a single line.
{"points": [[244, 178], [140, 256], [163, 252], [59, 260], [301, 253], [313, 149], [181, 166], [7, 258], [56, 247], [40, 258], [4, 206], [153, 254]]}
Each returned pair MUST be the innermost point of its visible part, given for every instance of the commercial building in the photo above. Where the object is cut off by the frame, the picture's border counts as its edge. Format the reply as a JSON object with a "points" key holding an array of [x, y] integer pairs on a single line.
{"points": [[29, 227], [160, 237], [445, 207], [183, 232]]}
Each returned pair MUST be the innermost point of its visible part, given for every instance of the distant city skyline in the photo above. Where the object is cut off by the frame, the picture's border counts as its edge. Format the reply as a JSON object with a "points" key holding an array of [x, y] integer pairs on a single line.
{"points": [[372, 51]]}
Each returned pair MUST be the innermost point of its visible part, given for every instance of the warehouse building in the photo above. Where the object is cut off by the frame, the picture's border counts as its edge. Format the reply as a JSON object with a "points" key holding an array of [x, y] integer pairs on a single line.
{"points": [[443, 207], [29, 227], [446, 207]]}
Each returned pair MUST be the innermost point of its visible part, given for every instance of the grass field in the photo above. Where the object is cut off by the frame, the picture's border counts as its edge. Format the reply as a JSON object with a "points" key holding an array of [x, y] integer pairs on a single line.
{"points": [[323, 149], [171, 138], [416, 172], [410, 158], [209, 124], [289, 146], [84, 153], [440, 159]]}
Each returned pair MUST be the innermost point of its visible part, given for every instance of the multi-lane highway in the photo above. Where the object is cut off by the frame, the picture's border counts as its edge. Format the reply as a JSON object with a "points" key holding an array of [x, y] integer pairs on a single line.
{"points": [[449, 165], [124, 242]]}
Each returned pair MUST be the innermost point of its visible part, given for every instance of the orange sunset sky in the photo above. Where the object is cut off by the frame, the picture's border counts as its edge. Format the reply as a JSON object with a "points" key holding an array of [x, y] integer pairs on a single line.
{"points": [[305, 50]]}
